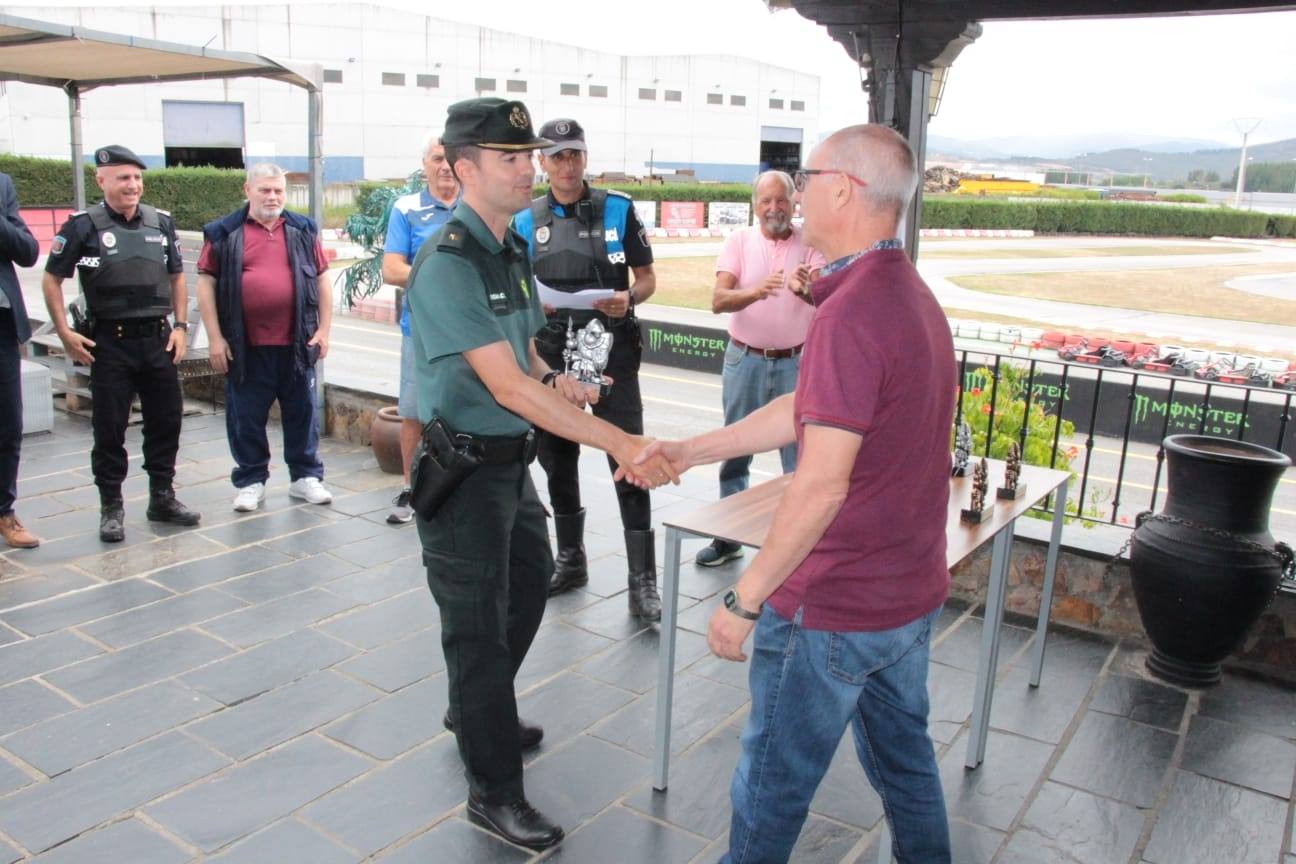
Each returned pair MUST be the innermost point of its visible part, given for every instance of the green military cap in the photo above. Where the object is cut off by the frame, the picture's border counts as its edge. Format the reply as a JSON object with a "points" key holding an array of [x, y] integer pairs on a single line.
{"points": [[491, 123]]}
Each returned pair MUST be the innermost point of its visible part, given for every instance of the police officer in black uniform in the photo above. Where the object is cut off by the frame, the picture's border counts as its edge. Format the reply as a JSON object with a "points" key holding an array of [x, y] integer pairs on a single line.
{"points": [[128, 260], [586, 239]]}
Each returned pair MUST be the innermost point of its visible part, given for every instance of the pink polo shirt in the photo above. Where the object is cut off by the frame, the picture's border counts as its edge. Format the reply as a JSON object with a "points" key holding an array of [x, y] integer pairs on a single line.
{"points": [[779, 321]]}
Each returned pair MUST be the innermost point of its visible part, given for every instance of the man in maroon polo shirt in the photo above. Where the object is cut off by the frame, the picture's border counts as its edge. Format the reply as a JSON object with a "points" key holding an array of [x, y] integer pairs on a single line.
{"points": [[843, 594], [264, 293]]}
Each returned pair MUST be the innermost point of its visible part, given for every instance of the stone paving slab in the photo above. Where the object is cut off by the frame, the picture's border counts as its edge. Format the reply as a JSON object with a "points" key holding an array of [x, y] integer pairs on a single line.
{"points": [[269, 687]]}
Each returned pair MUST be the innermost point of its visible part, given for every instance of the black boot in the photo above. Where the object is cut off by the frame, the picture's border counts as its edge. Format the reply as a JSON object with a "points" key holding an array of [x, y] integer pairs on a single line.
{"points": [[570, 569], [112, 521], [163, 507], [645, 602]]}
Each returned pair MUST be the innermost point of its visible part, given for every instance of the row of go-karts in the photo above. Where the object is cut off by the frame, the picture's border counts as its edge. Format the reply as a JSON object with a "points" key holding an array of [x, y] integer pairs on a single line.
{"points": [[1223, 366]]}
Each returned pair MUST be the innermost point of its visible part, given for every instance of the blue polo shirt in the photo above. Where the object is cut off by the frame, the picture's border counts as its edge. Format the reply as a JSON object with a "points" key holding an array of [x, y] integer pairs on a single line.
{"points": [[414, 218]]}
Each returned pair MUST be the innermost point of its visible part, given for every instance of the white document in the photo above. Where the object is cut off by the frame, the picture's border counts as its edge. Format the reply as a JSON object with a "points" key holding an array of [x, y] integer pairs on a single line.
{"points": [[568, 300]]}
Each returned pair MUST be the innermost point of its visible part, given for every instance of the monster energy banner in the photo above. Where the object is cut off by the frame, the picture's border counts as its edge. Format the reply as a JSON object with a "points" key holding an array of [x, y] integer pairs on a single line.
{"points": [[1150, 410], [698, 348]]}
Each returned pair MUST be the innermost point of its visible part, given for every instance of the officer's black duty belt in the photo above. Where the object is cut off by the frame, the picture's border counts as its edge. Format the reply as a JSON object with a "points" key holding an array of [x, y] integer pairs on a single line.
{"points": [[503, 451], [132, 328]]}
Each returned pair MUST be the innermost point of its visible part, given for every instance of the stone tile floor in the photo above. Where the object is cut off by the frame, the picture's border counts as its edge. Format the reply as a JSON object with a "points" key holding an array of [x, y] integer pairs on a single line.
{"points": [[268, 688]]}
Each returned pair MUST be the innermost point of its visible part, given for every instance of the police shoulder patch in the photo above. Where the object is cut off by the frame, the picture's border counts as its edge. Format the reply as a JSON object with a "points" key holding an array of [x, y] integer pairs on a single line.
{"points": [[58, 244]]}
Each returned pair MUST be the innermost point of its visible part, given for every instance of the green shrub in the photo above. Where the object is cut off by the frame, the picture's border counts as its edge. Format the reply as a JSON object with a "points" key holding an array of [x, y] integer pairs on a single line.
{"points": [[1093, 217], [44, 182], [1183, 198], [1282, 226]]}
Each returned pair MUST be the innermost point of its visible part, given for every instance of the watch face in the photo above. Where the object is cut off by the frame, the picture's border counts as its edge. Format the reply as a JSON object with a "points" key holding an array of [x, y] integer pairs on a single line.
{"points": [[731, 599]]}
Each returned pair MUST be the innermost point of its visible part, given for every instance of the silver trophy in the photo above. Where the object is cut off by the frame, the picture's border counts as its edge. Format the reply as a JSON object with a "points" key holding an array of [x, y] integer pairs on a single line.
{"points": [[586, 354]]}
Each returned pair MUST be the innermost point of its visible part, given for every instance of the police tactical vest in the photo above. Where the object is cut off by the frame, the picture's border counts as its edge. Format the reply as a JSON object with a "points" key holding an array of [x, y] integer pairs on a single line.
{"points": [[571, 254], [131, 280]]}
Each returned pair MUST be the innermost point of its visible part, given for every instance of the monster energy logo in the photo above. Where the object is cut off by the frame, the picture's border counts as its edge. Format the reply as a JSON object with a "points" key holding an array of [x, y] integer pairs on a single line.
{"points": [[685, 343]]}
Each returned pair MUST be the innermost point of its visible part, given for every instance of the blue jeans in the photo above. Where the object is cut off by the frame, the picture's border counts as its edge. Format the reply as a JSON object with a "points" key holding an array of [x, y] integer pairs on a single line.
{"points": [[269, 376], [806, 686], [750, 382]]}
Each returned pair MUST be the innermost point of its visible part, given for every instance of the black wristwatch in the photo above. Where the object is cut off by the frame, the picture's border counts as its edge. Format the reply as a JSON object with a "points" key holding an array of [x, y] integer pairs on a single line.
{"points": [[181, 325], [731, 603]]}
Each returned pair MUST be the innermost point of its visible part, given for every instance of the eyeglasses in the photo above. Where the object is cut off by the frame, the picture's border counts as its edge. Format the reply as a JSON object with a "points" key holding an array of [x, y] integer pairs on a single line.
{"points": [[800, 176]]}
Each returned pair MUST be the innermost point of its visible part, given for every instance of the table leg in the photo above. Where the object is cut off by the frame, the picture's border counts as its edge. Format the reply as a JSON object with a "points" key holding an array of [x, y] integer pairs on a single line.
{"points": [[1046, 597], [666, 657], [988, 660]]}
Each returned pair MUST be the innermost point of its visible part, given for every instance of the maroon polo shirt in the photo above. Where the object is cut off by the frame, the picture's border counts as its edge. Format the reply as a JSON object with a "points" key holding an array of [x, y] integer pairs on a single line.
{"points": [[267, 281], [879, 362]]}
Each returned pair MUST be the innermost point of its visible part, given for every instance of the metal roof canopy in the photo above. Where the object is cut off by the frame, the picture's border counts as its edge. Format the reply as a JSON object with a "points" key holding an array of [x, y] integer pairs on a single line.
{"points": [[76, 60], [904, 44]]}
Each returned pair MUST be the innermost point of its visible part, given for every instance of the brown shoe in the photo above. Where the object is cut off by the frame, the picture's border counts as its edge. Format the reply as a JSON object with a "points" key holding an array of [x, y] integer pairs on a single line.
{"points": [[15, 534]]}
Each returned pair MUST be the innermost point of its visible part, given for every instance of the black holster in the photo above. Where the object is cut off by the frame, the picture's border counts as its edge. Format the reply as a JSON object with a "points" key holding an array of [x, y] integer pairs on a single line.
{"points": [[444, 461]]}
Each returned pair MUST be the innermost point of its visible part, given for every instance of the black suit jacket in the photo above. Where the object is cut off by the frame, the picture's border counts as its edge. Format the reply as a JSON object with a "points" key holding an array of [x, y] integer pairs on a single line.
{"points": [[17, 246]]}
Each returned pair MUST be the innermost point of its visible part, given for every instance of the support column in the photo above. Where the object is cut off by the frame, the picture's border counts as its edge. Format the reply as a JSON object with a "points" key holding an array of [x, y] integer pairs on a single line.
{"points": [[74, 121], [315, 156], [919, 95]]}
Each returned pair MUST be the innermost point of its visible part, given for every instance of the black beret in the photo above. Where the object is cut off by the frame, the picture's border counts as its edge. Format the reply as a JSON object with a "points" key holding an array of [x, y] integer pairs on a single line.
{"points": [[115, 154], [491, 123]]}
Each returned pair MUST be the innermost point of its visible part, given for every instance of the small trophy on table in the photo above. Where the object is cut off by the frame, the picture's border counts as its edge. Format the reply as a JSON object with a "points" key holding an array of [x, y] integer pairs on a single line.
{"points": [[962, 449], [974, 514], [1012, 488], [586, 355]]}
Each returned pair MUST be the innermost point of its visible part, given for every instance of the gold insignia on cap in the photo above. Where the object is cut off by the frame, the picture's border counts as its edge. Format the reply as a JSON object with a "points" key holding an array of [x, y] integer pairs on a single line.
{"points": [[518, 117]]}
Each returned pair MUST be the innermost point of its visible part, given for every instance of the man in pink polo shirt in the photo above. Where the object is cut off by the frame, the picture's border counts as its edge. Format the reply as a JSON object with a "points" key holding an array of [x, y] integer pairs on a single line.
{"points": [[844, 592], [762, 279]]}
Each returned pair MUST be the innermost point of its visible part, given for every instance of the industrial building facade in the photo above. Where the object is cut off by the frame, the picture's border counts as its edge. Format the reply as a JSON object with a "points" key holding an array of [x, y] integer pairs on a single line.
{"points": [[389, 76]]}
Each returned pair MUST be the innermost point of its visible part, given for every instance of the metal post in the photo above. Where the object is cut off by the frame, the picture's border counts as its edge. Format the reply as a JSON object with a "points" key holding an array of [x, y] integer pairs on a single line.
{"points": [[1050, 573], [666, 658], [74, 120], [919, 109], [315, 156], [988, 658]]}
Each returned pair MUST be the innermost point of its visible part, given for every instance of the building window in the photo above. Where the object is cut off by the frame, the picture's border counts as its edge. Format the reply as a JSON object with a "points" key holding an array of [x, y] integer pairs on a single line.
{"points": [[332, 76], [776, 104], [798, 105], [484, 84], [393, 79], [737, 100], [428, 81], [569, 89], [515, 86], [715, 99], [647, 93], [674, 96], [598, 91]]}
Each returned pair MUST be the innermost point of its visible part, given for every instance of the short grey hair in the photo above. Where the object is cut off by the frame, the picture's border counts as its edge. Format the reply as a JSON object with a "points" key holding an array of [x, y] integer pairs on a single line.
{"points": [[783, 177], [263, 169], [433, 139], [882, 158]]}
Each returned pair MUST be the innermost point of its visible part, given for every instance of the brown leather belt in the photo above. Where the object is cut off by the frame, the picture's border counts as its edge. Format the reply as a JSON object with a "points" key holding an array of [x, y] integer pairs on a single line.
{"points": [[769, 353]]}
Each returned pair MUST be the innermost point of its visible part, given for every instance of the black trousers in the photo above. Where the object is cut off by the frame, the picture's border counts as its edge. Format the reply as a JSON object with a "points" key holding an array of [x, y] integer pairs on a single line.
{"points": [[623, 408], [11, 429], [121, 369], [488, 564]]}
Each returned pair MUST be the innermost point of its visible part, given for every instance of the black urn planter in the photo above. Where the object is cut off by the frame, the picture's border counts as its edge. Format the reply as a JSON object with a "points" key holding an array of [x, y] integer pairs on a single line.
{"points": [[1206, 567]]}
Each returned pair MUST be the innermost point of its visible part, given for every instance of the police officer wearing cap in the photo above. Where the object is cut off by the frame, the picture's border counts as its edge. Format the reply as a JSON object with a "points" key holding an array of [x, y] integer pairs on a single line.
{"points": [[126, 255], [583, 239], [481, 384]]}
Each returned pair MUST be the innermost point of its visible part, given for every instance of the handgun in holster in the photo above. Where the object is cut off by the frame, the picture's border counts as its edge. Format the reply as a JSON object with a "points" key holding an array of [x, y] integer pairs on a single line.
{"points": [[81, 322], [444, 461]]}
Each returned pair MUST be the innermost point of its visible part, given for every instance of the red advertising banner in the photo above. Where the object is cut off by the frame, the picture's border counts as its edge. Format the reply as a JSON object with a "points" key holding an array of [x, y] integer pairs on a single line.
{"points": [[682, 214]]}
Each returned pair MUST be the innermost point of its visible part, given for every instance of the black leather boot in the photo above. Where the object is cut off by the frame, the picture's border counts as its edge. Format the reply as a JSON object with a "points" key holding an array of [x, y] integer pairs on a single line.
{"points": [[516, 821], [570, 569], [645, 602], [112, 521], [163, 507]]}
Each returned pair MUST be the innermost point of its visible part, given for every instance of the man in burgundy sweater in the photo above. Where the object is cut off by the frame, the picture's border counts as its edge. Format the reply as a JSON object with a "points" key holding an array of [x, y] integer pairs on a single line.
{"points": [[844, 592]]}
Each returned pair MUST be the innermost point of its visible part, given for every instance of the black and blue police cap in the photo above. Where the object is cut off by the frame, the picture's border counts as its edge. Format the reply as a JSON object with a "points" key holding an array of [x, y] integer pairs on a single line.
{"points": [[491, 123], [116, 154]]}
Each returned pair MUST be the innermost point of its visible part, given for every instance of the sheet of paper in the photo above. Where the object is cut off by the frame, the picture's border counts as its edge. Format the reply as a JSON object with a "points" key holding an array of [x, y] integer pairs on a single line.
{"points": [[568, 300]]}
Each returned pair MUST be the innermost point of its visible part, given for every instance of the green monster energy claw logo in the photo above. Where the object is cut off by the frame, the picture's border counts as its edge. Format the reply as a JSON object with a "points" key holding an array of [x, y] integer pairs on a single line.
{"points": [[654, 339]]}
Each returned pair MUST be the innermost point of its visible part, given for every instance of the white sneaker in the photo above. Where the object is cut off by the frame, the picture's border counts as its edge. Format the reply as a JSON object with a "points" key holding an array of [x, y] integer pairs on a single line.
{"points": [[311, 490], [249, 498]]}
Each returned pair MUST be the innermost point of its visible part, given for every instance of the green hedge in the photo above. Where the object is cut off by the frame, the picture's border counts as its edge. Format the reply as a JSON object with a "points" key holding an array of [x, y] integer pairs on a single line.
{"points": [[1282, 226], [1094, 217], [194, 196]]}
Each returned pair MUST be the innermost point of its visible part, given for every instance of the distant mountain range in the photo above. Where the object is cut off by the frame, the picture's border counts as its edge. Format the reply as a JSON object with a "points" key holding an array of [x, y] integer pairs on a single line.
{"points": [[1159, 159]]}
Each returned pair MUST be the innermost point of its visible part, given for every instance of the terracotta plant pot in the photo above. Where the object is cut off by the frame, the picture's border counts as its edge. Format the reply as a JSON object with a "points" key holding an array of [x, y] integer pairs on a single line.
{"points": [[1206, 567], [384, 437]]}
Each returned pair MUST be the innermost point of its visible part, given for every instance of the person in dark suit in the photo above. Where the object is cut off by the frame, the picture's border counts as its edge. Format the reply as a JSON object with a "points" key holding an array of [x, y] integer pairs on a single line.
{"points": [[17, 246]]}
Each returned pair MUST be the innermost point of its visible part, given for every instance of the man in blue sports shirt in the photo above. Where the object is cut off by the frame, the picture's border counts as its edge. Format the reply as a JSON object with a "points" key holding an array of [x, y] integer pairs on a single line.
{"points": [[414, 218]]}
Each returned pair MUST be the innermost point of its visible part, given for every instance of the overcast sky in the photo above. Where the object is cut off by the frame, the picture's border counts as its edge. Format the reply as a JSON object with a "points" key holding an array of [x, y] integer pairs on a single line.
{"points": [[1174, 77]]}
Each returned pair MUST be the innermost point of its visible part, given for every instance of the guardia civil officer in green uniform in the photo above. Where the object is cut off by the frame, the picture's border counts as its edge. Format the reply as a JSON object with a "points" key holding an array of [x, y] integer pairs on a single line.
{"points": [[126, 255], [473, 316]]}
